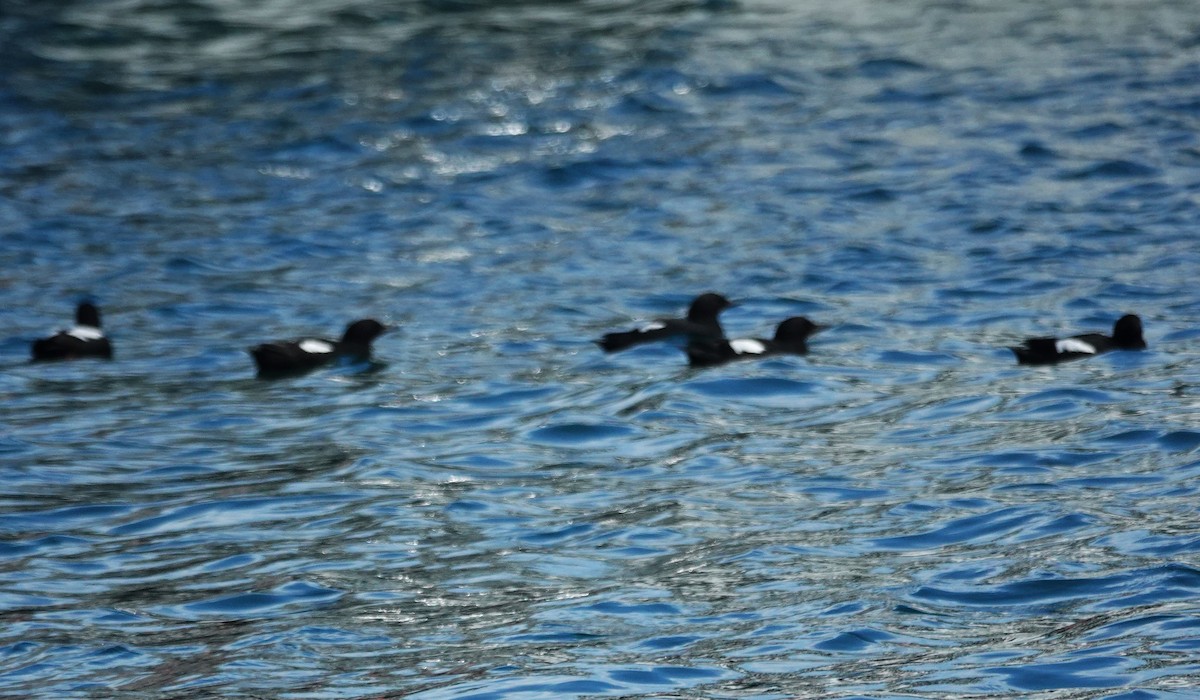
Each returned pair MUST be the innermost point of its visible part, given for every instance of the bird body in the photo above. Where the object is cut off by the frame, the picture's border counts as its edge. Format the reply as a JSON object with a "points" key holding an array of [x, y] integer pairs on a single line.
{"points": [[791, 338], [701, 323], [1127, 335], [296, 356], [84, 339]]}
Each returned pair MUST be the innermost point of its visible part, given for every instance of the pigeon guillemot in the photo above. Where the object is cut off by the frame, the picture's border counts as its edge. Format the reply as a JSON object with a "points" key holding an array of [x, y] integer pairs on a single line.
{"points": [[294, 356], [701, 322], [791, 338], [85, 339], [1127, 335]]}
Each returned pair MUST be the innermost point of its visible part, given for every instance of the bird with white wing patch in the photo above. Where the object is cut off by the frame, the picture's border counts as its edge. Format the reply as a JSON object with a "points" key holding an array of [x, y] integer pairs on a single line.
{"points": [[791, 338], [84, 339], [295, 356], [1127, 335], [701, 324]]}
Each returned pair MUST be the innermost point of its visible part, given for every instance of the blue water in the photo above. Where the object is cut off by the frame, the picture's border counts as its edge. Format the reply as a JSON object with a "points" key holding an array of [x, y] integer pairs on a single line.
{"points": [[497, 509]]}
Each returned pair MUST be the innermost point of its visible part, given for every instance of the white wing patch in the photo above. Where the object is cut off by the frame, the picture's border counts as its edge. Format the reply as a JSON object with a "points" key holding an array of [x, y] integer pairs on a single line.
{"points": [[86, 333], [652, 326], [1074, 345], [315, 347], [747, 346]]}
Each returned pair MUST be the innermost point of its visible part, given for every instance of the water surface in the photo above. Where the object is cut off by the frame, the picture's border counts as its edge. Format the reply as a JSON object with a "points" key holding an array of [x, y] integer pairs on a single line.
{"points": [[496, 509]]}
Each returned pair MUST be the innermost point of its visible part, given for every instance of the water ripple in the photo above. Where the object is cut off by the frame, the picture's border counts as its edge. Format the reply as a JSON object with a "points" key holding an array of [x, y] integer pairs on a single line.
{"points": [[494, 508]]}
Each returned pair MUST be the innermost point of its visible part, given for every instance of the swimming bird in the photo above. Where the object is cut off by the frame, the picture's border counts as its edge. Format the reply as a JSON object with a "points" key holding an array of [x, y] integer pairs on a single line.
{"points": [[1127, 335], [791, 338], [701, 322], [294, 356], [84, 339]]}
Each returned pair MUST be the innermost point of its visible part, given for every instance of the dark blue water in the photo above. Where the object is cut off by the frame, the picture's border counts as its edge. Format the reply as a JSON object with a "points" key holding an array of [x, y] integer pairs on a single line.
{"points": [[497, 509]]}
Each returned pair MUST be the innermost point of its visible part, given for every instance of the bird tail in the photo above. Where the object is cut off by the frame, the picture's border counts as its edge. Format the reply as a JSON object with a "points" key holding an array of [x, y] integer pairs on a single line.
{"points": [[708, 353], [613, 342], [271, 358]]}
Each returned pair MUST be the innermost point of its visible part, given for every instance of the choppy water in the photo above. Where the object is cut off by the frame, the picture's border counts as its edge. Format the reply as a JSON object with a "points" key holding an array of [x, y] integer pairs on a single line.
{"points": [[498, 510]]}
